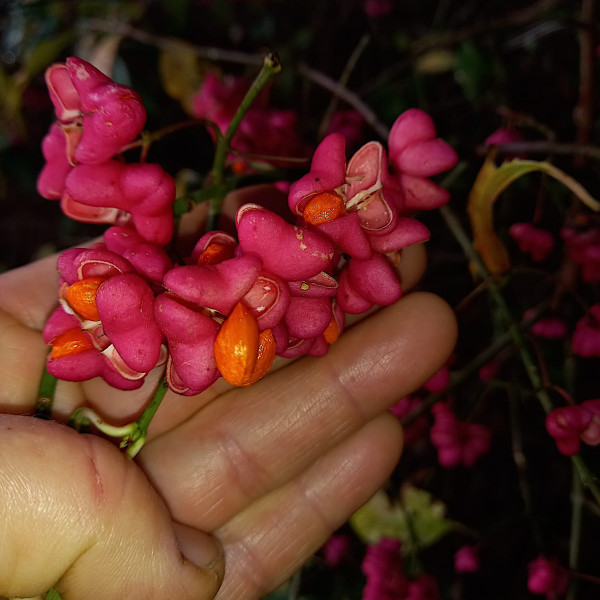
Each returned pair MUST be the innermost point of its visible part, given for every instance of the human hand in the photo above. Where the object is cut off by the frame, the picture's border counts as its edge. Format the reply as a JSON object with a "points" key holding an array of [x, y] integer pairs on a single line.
{"points": [[270, 470]]}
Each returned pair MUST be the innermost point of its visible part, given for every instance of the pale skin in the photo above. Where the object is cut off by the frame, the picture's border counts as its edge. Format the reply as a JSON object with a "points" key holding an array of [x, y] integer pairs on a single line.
{"points": [[269, 471]]}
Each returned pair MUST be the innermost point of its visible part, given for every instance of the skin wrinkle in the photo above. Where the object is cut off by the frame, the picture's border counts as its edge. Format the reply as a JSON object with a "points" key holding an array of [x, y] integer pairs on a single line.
{"points": [[39, 505], [94, 471], [125, 483], [242, 468], [324, 410], [281, 520], [254, 563], [345, 389]]}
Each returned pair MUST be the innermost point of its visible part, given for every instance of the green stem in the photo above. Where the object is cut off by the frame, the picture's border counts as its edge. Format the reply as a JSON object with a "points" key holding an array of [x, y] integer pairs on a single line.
{"points": [[343, 81], [149, 137], [516, 334], [138, 438], [576, 523], [570, 377], [43, 406], [82, 417], [133, 435], [460, 376], [521, 466], [270, 66], [294, 590]]}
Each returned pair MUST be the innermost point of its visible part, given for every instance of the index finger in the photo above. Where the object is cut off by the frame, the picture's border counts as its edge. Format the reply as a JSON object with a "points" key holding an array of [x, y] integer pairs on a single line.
{"points": [[251, 440]]}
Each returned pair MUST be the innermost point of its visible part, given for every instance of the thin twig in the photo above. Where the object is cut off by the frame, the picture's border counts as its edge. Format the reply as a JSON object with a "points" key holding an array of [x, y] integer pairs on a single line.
{"points": [[516, 18], [575, 536], [345, 94], [545, 147], [294, 590], [452, 37], [169, 43], [521, 466], [464, 374], [343, 80], [587, 479], [583, 114]]}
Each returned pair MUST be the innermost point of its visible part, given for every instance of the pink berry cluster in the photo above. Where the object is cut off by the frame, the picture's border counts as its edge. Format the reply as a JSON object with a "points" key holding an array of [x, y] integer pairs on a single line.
{"points": [[571, 425], [386, 579], [95, 119], [382, 567], [457, 442], [582, 251], [263, 131], [278, 287], [582, 246], [547, 577]]}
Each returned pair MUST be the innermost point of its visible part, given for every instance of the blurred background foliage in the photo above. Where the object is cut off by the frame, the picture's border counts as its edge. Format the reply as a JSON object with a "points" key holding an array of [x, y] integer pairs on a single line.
{"points": [[470, 64], [475, 66]]}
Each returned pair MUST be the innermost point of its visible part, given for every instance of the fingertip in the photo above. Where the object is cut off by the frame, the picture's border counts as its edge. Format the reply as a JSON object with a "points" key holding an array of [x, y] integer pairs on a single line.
{"points": [[412, 265], [200, 549]]}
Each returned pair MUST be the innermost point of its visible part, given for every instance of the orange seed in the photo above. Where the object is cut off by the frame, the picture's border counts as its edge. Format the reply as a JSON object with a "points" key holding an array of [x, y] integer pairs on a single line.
{"points": [[215, 253], [81, 297], [72, 341], [323, 207], [236, 346], [332, 331], [265, 356]]}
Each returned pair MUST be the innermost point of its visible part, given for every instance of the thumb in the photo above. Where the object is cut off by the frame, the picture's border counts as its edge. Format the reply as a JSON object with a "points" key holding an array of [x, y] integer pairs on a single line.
{"points": [[78, 515]]}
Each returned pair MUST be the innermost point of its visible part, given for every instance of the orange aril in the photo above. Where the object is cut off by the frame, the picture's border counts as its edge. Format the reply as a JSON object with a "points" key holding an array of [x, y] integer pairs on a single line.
{"points": [[215, 253], [332, 331], [239, 167], [72, 341], [265, 356], [323, 207], [81, 297], [236, 346]]}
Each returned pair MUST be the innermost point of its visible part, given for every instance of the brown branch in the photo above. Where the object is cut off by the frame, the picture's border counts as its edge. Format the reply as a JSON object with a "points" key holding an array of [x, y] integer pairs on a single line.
{"points": [[453, 37], [169, 43], [343, 80], [514, 19], [545, 147], [348, 96], [583, 113]]}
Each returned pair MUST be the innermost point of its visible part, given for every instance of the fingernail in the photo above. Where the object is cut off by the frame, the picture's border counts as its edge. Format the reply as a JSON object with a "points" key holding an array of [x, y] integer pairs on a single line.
{"points": [[198, 547]]}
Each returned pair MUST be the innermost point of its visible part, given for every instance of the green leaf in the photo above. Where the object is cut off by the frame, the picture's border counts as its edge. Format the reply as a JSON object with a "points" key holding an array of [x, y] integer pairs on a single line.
{"points": [[52, 594], [491, 181], [418, 519]]}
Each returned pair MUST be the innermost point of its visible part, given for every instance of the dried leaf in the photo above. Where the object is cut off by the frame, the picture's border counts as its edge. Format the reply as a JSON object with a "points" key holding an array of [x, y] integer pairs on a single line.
{"points": [[491, 181], [103, 53], [434, 62], [181, 73]]}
